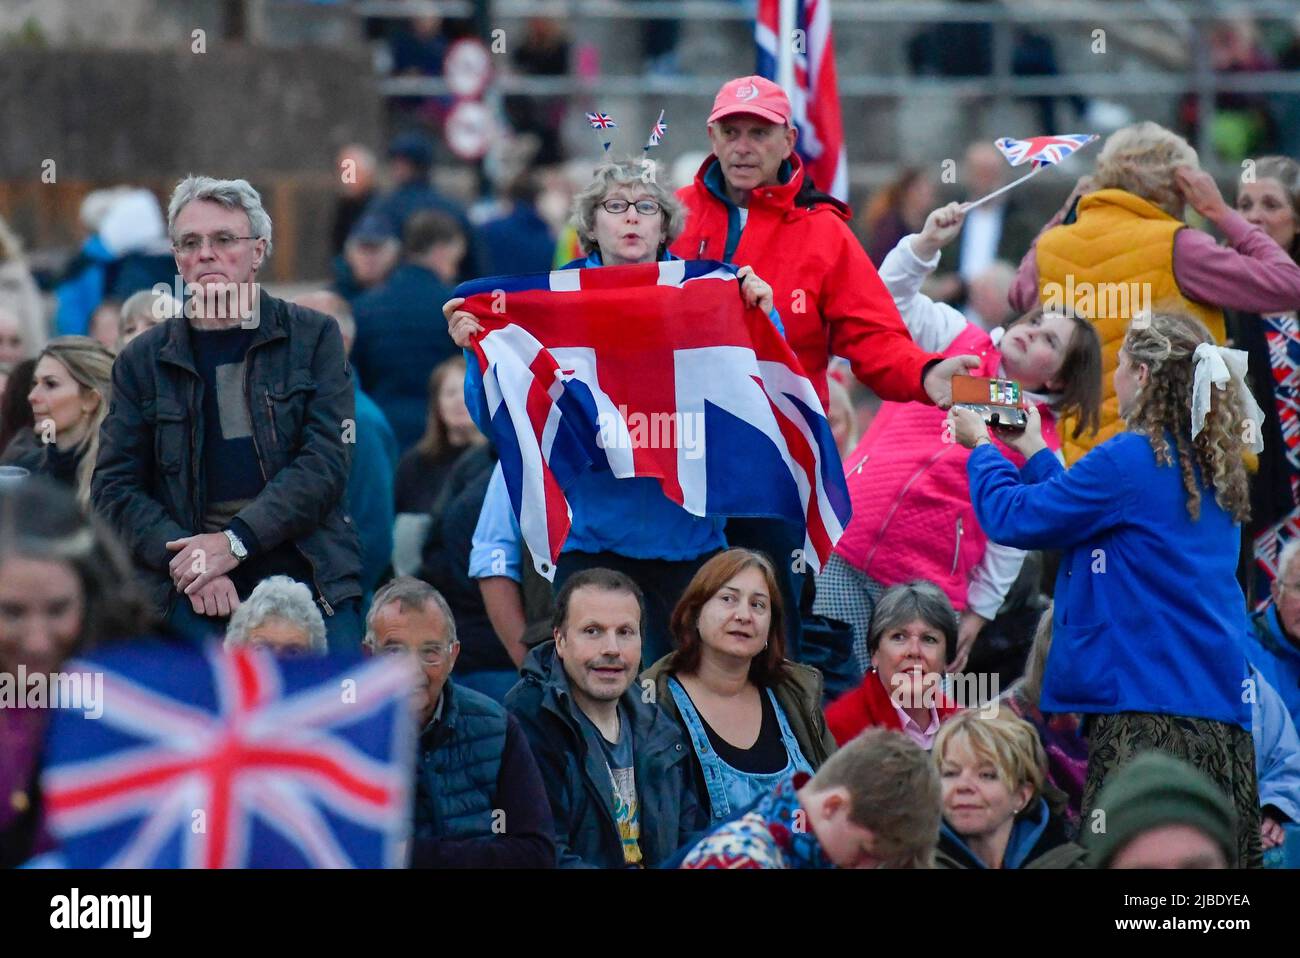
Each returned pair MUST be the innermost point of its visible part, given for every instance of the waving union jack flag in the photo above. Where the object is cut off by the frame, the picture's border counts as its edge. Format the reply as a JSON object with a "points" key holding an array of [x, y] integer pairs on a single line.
{"points": [[233, 760], [580, 360], [601, 121], [1042, 150]]}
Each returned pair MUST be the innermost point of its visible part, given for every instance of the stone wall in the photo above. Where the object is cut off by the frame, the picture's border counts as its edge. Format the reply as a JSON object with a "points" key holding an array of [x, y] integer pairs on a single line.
{"points": [[274, 116]]}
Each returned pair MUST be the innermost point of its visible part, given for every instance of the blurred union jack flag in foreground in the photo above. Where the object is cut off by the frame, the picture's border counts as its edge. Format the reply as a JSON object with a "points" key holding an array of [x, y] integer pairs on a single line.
{"points": [[573, 362], [233, 760], [1042, 150]]}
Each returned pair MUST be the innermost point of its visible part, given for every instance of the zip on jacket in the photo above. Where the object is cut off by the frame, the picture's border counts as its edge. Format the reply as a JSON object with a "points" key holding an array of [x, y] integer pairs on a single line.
{"points": [[261, 467], [898, 501]]}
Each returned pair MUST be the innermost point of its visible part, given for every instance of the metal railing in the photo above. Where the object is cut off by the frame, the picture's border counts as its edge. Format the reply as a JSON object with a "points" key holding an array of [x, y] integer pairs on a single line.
{"points": [[1174, 33]]}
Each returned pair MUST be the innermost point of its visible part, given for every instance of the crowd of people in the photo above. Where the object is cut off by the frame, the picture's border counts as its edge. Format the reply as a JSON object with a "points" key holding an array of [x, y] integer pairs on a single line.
{"points": [[314, 477]]}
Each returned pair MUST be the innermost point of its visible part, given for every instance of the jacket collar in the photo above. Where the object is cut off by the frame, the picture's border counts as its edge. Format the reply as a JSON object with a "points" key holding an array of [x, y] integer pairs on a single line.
{"points": [[593, 259], [880, 707], [785, 820], [178, 347], [1272, 636], [544, 666], [1026, 832], [443, 724], [1123, 199], [802, 683], [780, 195]]}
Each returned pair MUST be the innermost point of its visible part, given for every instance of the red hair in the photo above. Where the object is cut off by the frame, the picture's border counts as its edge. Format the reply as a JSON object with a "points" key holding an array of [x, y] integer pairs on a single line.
{"points": [[766, 668]]}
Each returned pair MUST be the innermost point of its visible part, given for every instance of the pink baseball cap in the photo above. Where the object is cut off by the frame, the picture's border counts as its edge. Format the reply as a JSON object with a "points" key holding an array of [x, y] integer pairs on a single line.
{"points": [[754, 95]]}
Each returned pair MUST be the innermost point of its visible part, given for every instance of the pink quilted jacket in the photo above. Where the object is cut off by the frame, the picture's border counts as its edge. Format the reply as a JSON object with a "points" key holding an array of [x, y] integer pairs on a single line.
{"points": [[912, 514]]}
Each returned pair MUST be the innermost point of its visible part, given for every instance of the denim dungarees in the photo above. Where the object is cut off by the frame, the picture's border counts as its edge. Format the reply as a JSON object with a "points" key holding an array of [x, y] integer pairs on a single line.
{"points": [[731, 790]]}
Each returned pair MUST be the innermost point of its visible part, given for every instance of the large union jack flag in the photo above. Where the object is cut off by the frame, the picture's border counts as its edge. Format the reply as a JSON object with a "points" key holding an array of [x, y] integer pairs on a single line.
{"points": [[574, 365], [1042, 150], [233, 760], [815, 95]]}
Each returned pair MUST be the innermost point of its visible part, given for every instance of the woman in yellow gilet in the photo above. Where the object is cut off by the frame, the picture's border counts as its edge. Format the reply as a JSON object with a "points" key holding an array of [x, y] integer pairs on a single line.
{"points": [[1128, 252]]}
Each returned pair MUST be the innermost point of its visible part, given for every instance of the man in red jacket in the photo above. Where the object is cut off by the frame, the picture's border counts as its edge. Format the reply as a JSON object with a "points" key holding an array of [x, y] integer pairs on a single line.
{"points": [[752, 204]]}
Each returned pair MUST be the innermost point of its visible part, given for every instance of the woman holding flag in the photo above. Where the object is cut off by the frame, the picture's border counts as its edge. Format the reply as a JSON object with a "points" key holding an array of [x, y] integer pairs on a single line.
{"points": [[623, 217]]}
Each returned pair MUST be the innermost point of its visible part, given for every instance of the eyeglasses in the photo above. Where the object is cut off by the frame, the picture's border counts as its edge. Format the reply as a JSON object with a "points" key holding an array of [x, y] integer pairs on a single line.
{"points": [[280, 651], [220, 243], [644, 207], [431, 654]]}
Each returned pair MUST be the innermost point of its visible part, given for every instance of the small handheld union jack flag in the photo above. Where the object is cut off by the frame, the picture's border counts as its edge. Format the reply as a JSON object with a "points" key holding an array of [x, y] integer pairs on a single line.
{"points": [[1042, 150], [602, 122], [657, 132]]}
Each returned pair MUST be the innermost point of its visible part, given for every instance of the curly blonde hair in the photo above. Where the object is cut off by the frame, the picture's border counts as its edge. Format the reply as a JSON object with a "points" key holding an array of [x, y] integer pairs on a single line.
{"points": [[1141, 159], [1163, 408]]}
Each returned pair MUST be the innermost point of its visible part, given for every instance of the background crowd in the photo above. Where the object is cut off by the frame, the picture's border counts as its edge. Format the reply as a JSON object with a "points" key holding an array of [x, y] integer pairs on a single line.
{"points": [[307, 470]]}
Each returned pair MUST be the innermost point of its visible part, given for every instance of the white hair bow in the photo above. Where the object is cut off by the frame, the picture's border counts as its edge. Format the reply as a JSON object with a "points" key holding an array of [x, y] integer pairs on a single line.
{"points": [[1217, 365]]}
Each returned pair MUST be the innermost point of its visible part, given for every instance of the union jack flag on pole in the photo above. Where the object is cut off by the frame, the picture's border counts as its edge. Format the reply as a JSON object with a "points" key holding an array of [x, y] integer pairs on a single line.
{"points": [[233, 760], [804, 66], [573, 364], [1042, 150]]}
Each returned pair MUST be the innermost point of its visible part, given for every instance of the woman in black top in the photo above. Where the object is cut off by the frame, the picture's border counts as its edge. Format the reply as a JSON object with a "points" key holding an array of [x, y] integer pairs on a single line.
{"points": [[16, 420], [447, 434], [69, 399], [1272, 202], [752, 716], [424, 468]]}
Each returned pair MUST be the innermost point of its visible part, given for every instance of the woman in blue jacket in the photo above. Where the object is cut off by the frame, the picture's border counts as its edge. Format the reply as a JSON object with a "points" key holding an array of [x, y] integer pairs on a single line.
{"points": [[1149, 616], [623, 217]]}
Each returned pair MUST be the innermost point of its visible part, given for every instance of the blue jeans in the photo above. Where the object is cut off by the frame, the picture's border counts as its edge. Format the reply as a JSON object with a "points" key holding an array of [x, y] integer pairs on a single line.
{"points": [[343, 630], [494, 683]]}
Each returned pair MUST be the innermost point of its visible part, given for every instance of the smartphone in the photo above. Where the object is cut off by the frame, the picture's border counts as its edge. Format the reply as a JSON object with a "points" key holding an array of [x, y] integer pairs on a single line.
{"points": [[996, 400]]}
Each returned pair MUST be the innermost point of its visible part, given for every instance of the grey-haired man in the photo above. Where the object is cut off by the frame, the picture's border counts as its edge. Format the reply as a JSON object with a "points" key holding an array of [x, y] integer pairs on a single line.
{"points": [[225, 453]]}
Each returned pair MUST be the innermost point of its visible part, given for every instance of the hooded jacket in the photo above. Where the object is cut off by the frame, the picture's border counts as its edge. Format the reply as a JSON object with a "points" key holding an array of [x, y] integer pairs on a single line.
{"points": [[830, 297], [577, 778], [1275, 656], [1038, 840]]}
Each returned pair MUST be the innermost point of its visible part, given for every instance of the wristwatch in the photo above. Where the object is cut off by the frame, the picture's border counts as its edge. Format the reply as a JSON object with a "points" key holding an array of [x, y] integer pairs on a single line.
{"points": [[237, 548]]}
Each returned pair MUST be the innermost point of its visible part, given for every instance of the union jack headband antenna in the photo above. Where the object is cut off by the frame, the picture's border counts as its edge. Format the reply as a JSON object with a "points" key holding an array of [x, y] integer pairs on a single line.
{"points": [[603, 124], [657, 133]]}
